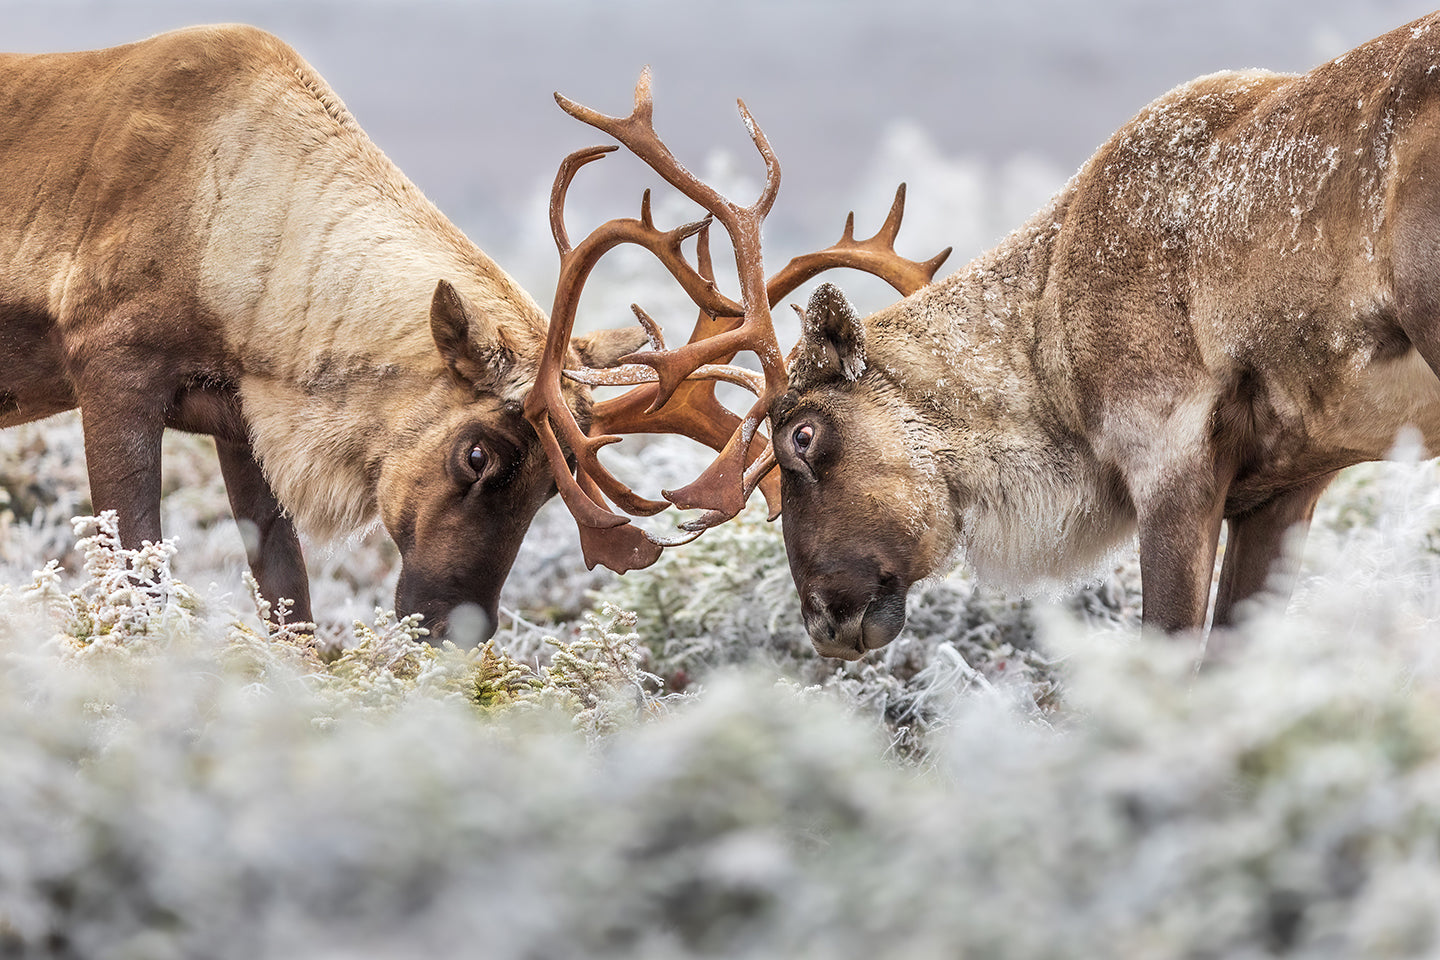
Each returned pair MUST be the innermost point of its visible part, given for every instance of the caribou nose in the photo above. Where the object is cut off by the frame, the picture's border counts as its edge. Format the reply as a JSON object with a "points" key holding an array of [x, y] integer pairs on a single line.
{"points": [[833, 639], [464, 623], [884, 619], [845, 629]]}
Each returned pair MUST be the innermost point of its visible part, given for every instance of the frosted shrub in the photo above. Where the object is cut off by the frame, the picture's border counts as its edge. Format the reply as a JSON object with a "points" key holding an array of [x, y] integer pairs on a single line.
{"points": [[224, 790], [724, 598], [727, 598], [128, 596]]}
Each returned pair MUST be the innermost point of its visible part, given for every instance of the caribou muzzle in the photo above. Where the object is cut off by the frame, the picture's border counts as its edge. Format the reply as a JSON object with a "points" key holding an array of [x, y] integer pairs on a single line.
{"points": [[466, 622], [846, 624]]}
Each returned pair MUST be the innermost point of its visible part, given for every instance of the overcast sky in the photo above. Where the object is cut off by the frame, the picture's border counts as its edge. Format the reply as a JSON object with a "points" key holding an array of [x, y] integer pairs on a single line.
{"points": [[458, 92]]}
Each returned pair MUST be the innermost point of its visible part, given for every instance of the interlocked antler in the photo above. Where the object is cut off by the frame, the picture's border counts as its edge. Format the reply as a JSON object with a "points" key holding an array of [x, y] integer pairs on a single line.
{"points": [[674, 388]]}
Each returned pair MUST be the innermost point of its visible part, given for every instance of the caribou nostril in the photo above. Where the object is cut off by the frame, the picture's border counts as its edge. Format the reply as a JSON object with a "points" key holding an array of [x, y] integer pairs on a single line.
{"points": [[884, 619]]}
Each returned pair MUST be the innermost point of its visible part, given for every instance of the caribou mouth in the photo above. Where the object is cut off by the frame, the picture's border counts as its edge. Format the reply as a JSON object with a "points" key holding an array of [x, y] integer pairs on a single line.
{"points": [[464, 623], [850, 638]]}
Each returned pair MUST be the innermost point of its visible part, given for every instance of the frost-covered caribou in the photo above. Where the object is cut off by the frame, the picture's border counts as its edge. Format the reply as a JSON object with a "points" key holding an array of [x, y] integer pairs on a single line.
{"points": [[1236, 297], [196, 234]]}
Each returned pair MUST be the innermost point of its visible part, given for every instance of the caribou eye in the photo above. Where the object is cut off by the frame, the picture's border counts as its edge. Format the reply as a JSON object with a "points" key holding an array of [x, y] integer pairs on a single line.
{"points": [[801, 444], [477, 460], [803, 436]]}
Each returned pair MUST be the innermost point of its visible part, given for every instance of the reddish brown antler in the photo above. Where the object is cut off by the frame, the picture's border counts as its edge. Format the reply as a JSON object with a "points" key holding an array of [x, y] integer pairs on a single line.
{"points": [[719, 489], [693, 409], [876, 256], [605, 536], [674, 388]]}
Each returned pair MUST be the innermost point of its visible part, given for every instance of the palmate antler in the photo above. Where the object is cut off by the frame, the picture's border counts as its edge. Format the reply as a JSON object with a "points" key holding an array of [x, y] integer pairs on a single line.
{"points": [[674, 388]]}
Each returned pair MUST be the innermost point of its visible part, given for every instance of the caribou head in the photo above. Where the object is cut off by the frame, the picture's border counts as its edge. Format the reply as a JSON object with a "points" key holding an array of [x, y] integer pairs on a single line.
{"points": [[466, 474], [673, 389], [858, 451]]}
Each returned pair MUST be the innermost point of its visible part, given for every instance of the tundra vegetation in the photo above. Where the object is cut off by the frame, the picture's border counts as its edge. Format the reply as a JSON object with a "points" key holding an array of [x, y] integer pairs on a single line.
{"points": [[659, 766]]}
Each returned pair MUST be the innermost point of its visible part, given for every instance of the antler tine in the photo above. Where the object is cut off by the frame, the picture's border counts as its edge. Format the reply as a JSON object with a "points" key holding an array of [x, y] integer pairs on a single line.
{"points": [[546, 407], [653, 333], [933, 264], [634, 374], [637, 133], [568, 168], [772, 163], [890, 229], [876, 256]]}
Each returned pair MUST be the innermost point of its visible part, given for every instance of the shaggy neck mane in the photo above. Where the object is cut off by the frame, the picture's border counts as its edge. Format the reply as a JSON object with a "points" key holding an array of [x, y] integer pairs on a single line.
{"points": [[338, 362], [1030, 505]]}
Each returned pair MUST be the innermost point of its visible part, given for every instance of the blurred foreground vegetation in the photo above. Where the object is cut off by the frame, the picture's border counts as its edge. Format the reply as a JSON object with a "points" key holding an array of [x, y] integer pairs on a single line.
{"points": [[659, 767]]}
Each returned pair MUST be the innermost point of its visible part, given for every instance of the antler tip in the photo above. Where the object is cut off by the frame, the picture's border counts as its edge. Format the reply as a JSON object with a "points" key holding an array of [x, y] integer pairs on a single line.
{"points": [[568, 105], [687, 230], [643, 102]]}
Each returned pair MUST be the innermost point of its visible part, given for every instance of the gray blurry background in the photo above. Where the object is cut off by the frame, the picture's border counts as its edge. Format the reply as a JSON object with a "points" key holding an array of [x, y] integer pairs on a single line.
{"points": [[984, 107]]}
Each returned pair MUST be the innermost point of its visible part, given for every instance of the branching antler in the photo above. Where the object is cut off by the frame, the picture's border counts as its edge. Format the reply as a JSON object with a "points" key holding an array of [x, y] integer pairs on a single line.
{"points": [[876, 256], [674, 388]]}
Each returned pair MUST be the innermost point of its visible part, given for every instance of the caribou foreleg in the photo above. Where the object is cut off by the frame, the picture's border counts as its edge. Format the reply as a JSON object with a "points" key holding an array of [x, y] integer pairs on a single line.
{"points": [[1255, 544], [1179, 533], [123, 425], [271, 544]]}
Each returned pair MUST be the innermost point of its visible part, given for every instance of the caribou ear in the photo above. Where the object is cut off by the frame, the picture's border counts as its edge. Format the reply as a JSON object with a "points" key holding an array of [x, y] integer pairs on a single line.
{"points": [[605, 348], [450, 324], [832, 338]]}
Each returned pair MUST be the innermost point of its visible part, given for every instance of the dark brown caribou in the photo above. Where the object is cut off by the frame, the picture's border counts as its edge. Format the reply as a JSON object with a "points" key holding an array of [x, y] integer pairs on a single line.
{"points": [[1236, 297], [196, 234]]}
